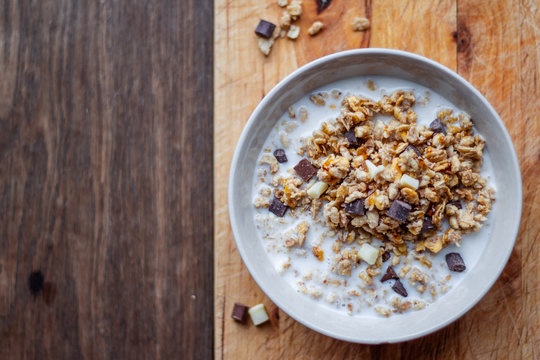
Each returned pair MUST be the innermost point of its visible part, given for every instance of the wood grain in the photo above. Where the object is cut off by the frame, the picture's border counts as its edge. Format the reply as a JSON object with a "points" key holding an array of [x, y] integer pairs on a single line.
{"points": [[496, 48], [105, 179]]}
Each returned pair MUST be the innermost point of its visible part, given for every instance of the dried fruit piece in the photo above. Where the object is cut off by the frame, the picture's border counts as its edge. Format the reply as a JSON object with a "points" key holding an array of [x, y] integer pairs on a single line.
{"points": [[318, 253]]}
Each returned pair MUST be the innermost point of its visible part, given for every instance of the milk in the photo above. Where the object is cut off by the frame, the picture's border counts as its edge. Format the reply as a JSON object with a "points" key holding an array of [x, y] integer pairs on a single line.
{"points": [[272, 230]]}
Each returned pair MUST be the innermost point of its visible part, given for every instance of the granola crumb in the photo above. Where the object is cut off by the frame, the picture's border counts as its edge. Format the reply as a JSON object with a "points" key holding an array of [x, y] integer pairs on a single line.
{"points": [[265, 45], [293, 32], [315, 28], [360, 24]]}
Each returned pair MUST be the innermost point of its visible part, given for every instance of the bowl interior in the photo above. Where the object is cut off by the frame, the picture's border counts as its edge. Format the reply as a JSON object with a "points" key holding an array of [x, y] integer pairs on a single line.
{"points": [[506, 213]]}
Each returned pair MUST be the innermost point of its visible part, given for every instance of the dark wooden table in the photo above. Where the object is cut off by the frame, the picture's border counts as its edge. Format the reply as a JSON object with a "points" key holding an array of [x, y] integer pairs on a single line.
{"points": [[106, 179]]}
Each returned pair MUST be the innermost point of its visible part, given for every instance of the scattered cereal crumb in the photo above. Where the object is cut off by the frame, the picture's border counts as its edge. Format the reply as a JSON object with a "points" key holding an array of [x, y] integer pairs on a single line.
{"points": [[265, 45], [293, 32], [303, 114], [295, 9], [292, 113], [283, 3], [315, 28], [360, 24]]}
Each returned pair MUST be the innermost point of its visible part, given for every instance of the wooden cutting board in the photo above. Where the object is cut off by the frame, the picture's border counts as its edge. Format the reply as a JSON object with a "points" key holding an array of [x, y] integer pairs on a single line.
{"points": [[495, 46]]}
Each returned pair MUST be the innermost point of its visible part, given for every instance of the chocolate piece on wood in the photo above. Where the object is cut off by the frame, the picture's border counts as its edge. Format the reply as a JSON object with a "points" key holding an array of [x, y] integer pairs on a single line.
{"points": [[351, 138], [390, 274], [356, 207], [305, 170], [322, 4], [277, 207], [399, 210], [455, 262], [280, 155], [437, 127], [239, 312], [400, 289], [265, 29]]}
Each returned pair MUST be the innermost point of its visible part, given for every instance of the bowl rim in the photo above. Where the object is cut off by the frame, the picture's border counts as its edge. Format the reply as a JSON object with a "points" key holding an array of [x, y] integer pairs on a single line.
{"points": [[251, 122]]}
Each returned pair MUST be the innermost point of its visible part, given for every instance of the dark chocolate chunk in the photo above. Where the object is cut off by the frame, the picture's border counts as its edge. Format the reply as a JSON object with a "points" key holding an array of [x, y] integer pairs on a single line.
{"points": [[280, 155], [413, 148], [427, 225], [305, 170], [277, 207], [390, 274], [239, 312], [399, 210], [437, 127], [385, 256], [265, 29], [455, 262], [356, 207], [351, 138], [456, 204], [322, 4], [400, 289]]}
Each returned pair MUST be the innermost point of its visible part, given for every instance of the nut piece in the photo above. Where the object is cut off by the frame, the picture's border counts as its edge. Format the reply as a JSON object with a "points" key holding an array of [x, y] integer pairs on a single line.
{"points": [[315, 28], [258, 314], [283, 3], [368, 253], [360, 24]]}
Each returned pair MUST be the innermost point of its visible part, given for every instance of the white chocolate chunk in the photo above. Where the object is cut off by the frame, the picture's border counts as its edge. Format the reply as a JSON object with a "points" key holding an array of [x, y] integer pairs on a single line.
{"points": [[408, 181], [373, 170], [317, 189], [368, 253], [258, 314]]}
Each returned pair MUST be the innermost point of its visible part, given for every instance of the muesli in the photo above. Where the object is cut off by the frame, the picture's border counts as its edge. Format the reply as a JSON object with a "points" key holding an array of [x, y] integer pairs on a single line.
{"points": [[360, 203]]}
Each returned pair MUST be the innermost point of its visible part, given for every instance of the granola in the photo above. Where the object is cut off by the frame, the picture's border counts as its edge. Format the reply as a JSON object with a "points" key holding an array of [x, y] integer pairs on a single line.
{"points": [[370, 189]]}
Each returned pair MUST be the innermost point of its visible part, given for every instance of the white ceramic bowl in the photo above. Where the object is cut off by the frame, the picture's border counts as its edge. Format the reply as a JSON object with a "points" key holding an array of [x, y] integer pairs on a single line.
{"points": [[506, 212]]}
